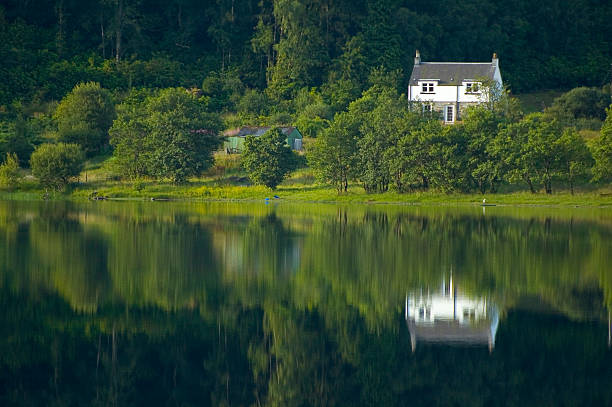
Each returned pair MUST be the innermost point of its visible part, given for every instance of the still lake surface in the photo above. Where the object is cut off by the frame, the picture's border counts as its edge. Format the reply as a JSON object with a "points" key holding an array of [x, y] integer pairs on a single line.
{"points": [[149, 303]]}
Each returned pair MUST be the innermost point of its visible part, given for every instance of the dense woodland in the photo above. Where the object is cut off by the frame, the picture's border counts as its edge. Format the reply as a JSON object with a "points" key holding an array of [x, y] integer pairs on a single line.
{"points": [[48, 46], [110, 75]]}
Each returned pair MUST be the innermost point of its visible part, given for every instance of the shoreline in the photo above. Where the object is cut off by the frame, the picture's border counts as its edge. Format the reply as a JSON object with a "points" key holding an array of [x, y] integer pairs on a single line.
{"points": [[317, 194]]}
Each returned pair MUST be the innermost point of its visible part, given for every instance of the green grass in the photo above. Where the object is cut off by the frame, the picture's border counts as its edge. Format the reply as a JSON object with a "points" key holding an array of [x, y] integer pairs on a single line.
{"points": [[538, 101], [209, 189], [226, 181]]}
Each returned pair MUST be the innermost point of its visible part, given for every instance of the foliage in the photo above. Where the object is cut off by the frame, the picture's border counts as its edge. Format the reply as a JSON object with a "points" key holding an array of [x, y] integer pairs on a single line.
{"points": [[169, 134], [580, 103], [84, 117], [16, 137], [575, 159], [531, 149], [9, 172], [602, 151], [334, 153], [268, 159], [55, 165]]}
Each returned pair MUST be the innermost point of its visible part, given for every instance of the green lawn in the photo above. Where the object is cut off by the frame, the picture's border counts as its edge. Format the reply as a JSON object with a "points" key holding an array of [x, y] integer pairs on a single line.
{"points": [[301, 187], [538, 101]]}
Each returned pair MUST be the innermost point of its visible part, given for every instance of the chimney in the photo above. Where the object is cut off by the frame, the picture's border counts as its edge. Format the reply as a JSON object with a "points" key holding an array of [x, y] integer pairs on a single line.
{"points": [[495, 60], [417, 58]]}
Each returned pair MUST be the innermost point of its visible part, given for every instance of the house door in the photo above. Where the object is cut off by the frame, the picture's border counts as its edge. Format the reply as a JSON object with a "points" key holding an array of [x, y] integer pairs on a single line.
{"points": [[449, 113]]}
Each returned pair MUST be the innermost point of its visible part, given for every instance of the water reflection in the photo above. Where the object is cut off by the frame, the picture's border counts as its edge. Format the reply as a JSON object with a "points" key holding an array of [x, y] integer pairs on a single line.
{"points": [[146, 303], [449, 316]]}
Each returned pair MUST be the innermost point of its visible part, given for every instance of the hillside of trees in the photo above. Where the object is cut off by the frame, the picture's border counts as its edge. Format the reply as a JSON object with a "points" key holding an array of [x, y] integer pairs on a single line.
{"points": [[48, 46]]}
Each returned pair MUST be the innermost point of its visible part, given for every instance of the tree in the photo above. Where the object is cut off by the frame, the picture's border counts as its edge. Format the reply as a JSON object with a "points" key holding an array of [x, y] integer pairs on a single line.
{"points": [[9, 171], [84, 117], [16, 137], [602, 151], [268, 159], [481, 126], [381, 115], [167, 135], [531, 151], [575, 157], [128, 136], [334, 154], [55, 165]]}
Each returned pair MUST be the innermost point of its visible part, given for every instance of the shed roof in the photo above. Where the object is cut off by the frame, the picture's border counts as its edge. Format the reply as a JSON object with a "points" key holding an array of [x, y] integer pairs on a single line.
{"points": [[255, 131], [452, 73]]}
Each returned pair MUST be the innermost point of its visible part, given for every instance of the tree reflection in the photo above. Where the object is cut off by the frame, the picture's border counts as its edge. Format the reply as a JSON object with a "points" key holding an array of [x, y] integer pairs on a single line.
{"points": [[148, 303]]}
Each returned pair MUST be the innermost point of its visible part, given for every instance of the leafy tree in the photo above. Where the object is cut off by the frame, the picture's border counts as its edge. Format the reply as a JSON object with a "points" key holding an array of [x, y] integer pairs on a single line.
{"points": [[602, 151], [481, 126], [16, 138], [254, 103], [313, 119], [268, 159], [409, 158], [9, 172], [55, 165], [129, 135], [334, 154], [169, 134], [84, 117], [575, 157], [381, 117], [531, 151]]}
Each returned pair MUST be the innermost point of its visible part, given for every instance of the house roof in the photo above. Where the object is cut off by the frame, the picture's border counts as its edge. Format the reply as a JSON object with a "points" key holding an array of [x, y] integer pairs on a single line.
{"points": [[255, 131], [452, 332], [452, 73]]}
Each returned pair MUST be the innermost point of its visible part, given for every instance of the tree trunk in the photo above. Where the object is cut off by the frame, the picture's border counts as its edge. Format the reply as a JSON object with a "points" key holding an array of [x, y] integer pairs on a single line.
{"points": [[119, 30], [528, 181], [59, 9], [102, 35]]}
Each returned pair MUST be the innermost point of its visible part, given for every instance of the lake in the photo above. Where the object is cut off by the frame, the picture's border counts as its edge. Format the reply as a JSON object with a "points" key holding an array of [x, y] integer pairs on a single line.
{"points": [[248, 304]]}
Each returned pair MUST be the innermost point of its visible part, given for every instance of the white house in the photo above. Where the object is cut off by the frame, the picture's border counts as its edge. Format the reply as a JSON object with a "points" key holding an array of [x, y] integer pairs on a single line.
{"points": [[447, 316], [450, 87]]}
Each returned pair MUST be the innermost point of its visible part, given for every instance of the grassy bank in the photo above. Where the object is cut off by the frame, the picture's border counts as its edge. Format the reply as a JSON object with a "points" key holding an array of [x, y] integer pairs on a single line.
{"points": [[211, 188], [227, 181]]}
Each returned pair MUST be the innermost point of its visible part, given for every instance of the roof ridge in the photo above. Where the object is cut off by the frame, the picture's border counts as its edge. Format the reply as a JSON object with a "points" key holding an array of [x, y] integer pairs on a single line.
{"points": [[464, 63]]}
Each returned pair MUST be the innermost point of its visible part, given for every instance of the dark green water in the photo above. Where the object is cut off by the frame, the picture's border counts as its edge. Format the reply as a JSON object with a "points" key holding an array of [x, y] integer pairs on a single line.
{"points": [[303, 305]]}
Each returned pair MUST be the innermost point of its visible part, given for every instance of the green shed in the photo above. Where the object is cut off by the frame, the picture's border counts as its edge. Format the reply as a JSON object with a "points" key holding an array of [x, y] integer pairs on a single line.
{"points": [[234, 138]]}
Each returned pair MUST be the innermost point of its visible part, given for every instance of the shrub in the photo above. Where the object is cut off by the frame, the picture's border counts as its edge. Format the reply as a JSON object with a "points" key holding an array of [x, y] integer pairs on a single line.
{"points": [[9, 172], [55, 165], [268, 159]]}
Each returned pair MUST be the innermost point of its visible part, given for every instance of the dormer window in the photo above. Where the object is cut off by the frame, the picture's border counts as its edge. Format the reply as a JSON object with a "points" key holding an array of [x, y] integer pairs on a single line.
{"points": [[472, 87], [427, 87]]}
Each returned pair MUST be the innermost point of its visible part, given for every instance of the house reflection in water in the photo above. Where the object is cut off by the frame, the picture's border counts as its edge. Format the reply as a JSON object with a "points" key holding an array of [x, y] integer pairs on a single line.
{"points": [[449, 317]]}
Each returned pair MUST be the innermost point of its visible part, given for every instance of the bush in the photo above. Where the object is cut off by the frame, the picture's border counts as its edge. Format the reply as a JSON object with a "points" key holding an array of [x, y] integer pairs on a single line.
{"points": [[84, 117], [9, 172], [55, 165], [268, 159]]}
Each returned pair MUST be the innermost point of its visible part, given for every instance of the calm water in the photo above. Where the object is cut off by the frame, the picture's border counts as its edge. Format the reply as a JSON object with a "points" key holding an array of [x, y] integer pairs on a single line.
{"points": [[297, 305]]}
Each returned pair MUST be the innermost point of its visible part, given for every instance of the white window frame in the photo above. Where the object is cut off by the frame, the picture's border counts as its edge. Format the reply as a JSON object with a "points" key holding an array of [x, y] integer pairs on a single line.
{"points": [[427, 107], [428, 87], [469, 87], [446, 114]]}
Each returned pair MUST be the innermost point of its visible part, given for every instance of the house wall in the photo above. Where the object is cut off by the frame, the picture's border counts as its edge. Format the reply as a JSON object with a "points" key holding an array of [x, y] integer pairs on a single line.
{"points": [[444, 93], [445, 307]]}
